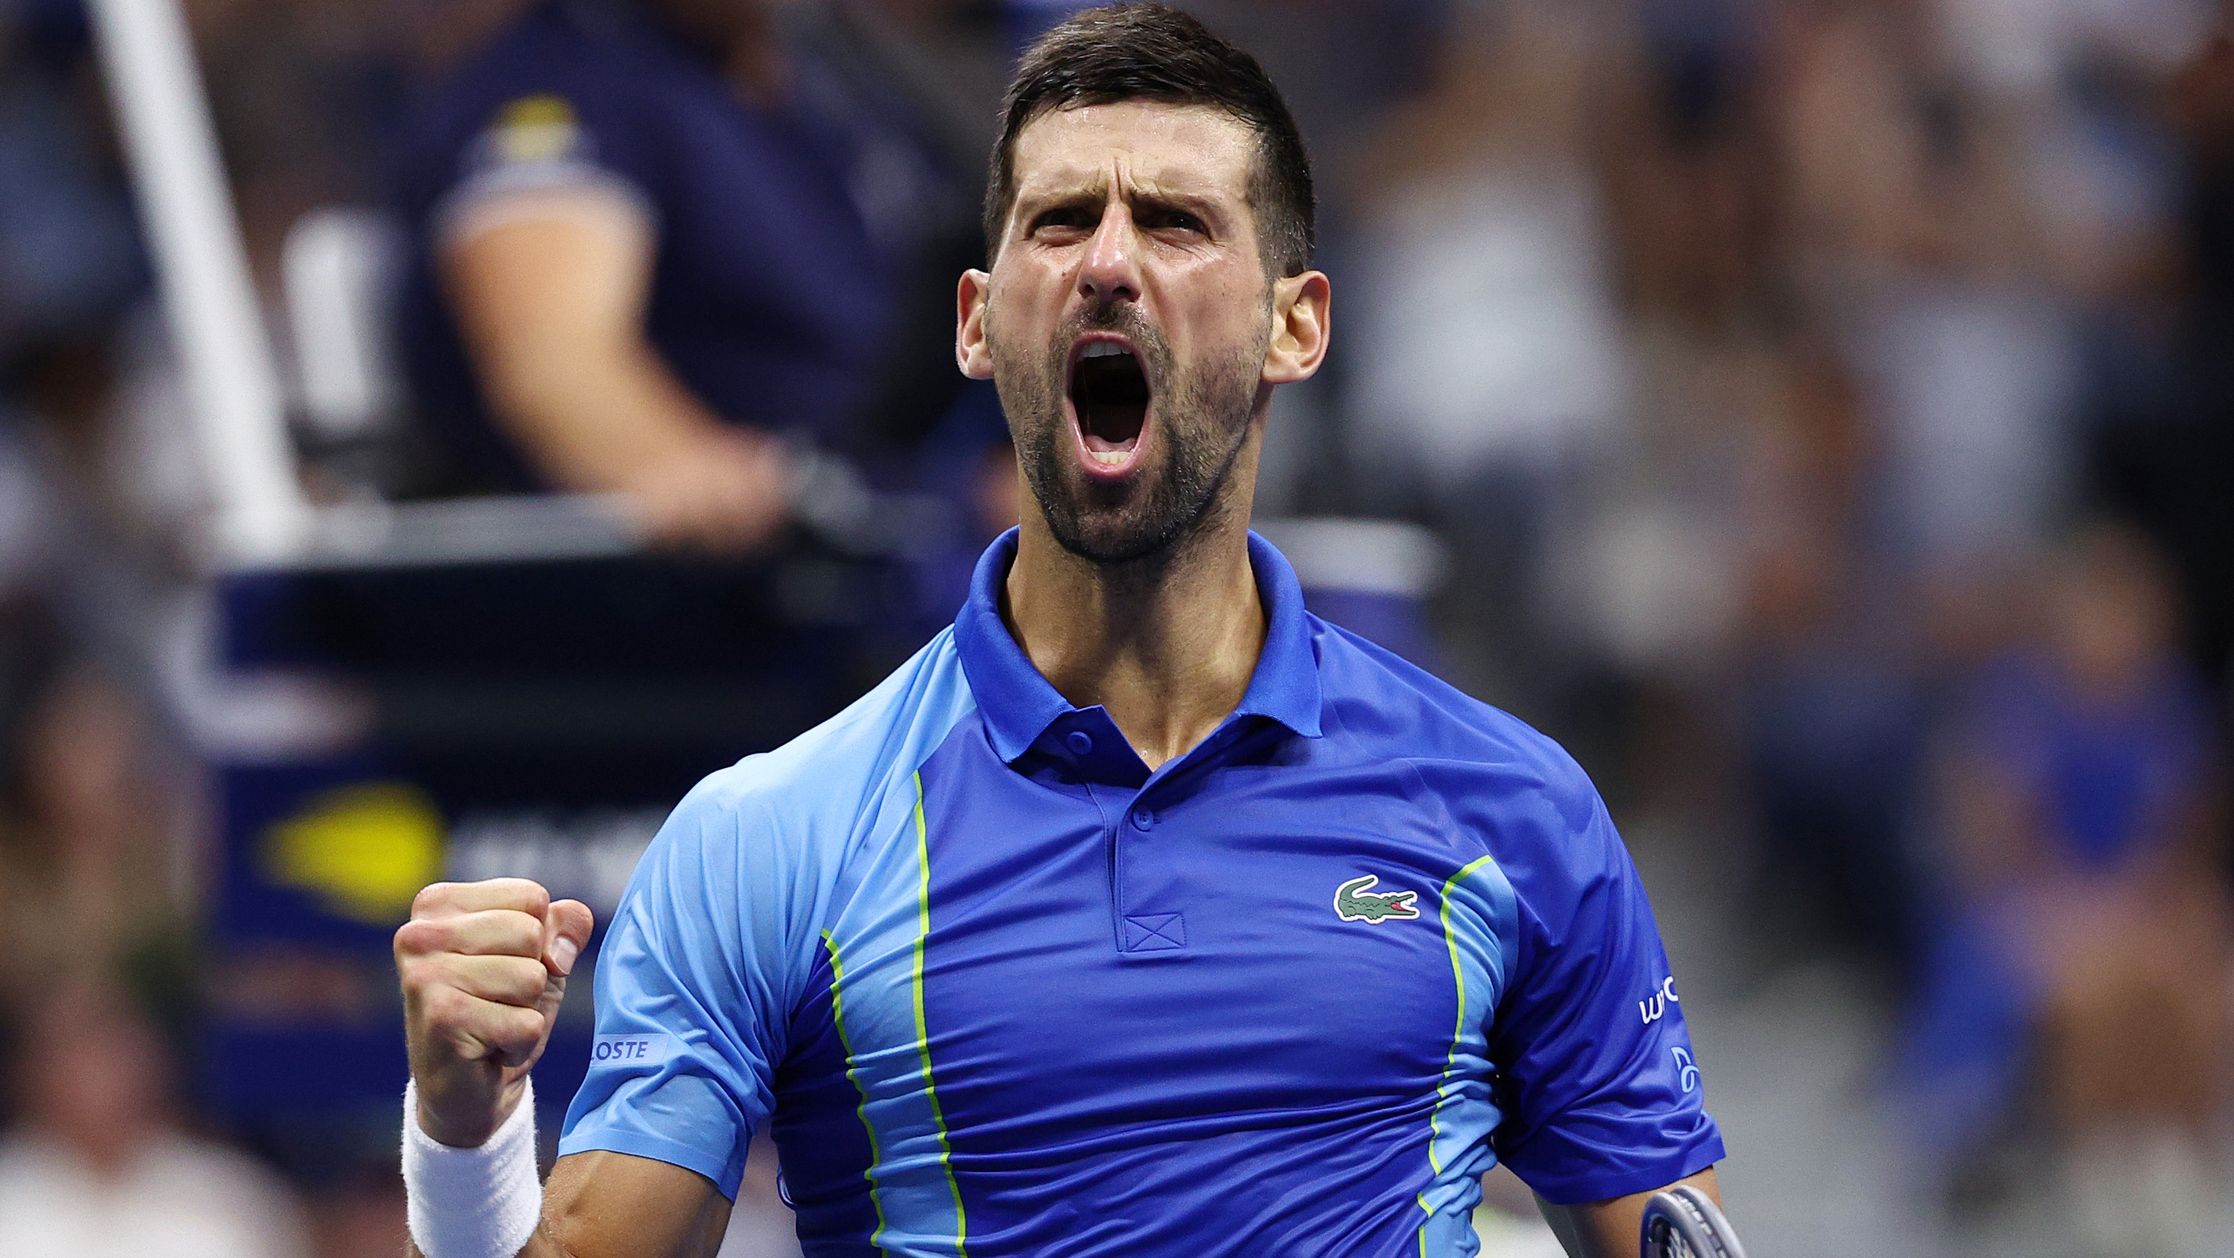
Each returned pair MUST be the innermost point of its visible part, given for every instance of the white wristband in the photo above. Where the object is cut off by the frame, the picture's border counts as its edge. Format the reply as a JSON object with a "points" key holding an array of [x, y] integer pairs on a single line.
{"points": [[471, 1203]]}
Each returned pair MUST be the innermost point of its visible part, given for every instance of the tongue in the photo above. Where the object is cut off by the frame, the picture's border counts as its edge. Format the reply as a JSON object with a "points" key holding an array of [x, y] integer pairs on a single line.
{"points": [[1111, 430]]}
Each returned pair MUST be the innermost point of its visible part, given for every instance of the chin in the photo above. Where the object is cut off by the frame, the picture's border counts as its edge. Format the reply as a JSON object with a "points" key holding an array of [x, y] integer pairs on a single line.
{"points": [[1134, 533], [1108, 542]]}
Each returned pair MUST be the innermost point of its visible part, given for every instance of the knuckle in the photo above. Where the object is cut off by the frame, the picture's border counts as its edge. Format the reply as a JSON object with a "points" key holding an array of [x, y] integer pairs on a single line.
{"points": [[525, 894], [523, 935], [462, 1044], [527, 979], [431, 898], [519, 1032], [504, 980], [448, 1007], [418, 937]]}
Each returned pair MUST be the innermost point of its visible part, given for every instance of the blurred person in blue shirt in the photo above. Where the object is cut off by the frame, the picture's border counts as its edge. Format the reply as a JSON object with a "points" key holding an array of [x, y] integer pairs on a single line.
{"points": [[2090, 943], [648, 250]]}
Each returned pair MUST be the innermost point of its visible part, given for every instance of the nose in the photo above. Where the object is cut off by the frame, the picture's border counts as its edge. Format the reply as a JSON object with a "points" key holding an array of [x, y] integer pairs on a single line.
{"points": [[1110, 272]]}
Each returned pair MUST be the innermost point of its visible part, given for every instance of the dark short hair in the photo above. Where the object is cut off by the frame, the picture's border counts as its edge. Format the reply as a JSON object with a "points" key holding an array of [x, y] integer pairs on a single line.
{"points": [[1154, 52]]}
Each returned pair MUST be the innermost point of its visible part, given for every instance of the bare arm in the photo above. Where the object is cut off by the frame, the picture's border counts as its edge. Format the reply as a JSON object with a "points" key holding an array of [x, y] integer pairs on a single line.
{"points": [[484, 968], [612, 1205], [550, 289], [1610, 1229]]}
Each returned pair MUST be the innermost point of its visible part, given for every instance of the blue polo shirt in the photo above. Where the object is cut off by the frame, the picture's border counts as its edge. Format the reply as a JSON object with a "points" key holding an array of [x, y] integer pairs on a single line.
{"points": [[1001, 990]]}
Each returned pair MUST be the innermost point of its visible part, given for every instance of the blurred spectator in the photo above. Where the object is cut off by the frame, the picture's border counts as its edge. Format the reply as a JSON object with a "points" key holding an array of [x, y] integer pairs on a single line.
{"points": [[1831, 709], [97, 840], [100, 1167], [1916, 236], [363, 1219], [1488, 367], [656, 237], [68, 257], [2080, 805], [2169, 460]]}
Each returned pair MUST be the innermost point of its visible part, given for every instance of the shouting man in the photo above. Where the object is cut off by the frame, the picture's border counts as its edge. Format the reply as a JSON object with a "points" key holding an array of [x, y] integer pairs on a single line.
{"points": [[1142, 912]]}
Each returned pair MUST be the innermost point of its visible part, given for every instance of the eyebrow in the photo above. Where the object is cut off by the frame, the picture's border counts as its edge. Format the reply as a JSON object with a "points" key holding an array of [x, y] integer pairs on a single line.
{"points": [[1031, 204]]}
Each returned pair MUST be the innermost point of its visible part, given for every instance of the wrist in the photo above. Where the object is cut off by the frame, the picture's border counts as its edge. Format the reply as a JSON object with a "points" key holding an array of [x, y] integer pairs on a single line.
{"points": [[448, 1131], [482, 1201]]}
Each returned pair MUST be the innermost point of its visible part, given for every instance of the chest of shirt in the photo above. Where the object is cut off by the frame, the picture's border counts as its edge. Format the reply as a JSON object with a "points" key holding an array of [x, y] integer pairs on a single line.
{"points": [[1229, 947]]}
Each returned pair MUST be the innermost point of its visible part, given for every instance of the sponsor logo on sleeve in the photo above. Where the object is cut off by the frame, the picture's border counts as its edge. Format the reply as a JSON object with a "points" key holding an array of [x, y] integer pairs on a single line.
{"points": [[1652, 1008], [628, 1050]]}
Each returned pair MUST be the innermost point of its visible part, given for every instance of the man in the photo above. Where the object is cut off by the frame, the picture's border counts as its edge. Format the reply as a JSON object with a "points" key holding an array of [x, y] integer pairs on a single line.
{"points": [[1142, 912], [646, 252]]}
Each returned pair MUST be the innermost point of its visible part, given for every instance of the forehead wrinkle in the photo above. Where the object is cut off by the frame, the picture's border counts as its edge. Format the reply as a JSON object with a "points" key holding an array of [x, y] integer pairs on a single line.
{"points": [[1180, 184], [1182, 132]]}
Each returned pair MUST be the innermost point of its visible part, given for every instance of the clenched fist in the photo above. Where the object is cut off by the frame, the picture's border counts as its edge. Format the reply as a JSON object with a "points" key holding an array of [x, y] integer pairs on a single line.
{"points": [[484, 966]]}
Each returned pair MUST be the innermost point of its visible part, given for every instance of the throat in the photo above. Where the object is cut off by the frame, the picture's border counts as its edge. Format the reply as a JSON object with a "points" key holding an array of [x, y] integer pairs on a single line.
{"points": [[1111, 397], [1167, 655]]}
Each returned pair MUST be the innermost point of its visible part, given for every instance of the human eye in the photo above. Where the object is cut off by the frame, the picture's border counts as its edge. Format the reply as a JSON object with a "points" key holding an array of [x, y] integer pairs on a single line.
{"points": [[1061, 220], [1173, 219]]}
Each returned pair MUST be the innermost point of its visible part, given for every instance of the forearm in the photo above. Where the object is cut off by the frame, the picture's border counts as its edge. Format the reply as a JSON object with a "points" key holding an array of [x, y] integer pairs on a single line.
{"points": [[1611, 1229], [611, 1205], [552, 308], [596, 419]]}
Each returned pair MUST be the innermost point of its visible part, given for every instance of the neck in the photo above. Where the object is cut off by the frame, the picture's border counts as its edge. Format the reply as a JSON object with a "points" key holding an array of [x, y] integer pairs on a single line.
{"points": [[1166, 644]]}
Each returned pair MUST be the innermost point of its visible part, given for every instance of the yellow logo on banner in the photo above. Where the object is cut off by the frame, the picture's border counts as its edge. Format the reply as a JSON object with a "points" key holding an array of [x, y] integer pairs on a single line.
{"points": [[363, 850]]}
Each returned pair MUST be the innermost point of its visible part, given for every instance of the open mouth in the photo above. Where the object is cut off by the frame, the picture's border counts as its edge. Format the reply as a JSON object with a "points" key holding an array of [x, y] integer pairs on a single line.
{"points": [[1109, 398]]}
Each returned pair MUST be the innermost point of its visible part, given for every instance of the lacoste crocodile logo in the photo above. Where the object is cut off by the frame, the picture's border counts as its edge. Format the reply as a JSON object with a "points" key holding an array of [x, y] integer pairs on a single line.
{"points": [[1355, 901]]}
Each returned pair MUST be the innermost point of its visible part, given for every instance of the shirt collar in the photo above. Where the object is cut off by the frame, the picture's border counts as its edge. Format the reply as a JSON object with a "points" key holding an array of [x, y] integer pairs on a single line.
{"points": [[1018, 704]]}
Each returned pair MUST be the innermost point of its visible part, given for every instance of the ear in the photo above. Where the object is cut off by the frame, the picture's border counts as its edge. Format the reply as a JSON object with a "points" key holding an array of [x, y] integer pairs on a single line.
{"points": [[1300, 310], [971, 353]]}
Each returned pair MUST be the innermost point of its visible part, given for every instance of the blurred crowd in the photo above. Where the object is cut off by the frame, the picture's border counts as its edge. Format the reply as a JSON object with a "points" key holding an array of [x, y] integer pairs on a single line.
{"points": [[1827, 405]]}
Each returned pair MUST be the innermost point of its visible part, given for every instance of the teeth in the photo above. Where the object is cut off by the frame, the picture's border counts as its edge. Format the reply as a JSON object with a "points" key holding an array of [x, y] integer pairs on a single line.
{"points": [[1109, 458], [1104, 349]]}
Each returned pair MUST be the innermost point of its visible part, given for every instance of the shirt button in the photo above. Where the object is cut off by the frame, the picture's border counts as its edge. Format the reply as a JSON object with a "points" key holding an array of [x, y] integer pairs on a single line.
{"points": [[1080, 742], [1143, 819]]}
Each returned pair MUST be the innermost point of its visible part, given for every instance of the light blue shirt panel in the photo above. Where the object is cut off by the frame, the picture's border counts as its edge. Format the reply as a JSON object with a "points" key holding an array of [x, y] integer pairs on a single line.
{"points": [[719, 933], [1479, 912]]}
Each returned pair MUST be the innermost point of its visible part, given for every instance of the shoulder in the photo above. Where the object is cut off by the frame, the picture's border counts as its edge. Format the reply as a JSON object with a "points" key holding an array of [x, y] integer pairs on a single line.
{"points": [[549, 74], [770, 839], [823, 784], [1473, 754], [555, 44]]}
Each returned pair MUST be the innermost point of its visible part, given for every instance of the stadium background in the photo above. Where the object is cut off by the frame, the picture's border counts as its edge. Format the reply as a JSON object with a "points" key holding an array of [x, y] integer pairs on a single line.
{"points": [[1815, 413]]}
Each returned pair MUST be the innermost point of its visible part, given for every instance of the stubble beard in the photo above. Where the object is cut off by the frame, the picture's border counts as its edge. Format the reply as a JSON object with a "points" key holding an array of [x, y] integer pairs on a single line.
{"points": [[1202, 423]]}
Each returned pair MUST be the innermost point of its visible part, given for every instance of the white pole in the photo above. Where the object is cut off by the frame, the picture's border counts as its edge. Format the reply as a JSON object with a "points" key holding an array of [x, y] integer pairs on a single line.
{"points": [[156, 87]]}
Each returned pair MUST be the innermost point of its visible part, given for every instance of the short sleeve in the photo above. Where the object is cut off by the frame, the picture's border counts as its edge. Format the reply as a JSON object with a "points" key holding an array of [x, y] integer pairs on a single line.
{"points": [[544, 114], [1597, 1079], [696, 980]]}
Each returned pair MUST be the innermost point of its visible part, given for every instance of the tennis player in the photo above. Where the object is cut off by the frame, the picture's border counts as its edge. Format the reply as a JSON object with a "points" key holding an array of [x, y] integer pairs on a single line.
{"points": [[1142, 913]]}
